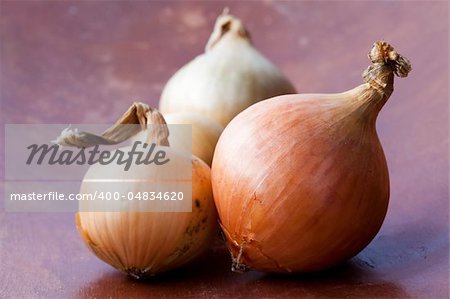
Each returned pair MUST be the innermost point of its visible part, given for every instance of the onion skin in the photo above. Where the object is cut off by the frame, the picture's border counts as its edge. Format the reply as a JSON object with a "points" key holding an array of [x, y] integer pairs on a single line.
{"points": [[144, 244], [301, 181]]}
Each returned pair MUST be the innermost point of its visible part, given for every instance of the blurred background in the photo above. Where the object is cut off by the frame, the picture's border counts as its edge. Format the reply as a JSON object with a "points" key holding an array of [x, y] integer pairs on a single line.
{"points": [[86, 62]]}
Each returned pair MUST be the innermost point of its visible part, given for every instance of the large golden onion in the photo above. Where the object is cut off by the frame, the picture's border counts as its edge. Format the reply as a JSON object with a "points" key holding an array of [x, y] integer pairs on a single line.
{"points": [[300, 181]]}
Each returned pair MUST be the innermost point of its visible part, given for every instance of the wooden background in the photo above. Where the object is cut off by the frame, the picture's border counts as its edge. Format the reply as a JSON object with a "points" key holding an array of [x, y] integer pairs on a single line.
{"points": [[85, 62]]}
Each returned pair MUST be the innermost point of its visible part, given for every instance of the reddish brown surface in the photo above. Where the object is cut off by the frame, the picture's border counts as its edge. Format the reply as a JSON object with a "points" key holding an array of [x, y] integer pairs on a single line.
{"points": [[64, 62]]}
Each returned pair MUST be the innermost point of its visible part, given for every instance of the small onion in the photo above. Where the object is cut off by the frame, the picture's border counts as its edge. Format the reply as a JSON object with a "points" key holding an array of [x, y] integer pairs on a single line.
{"points": [[134, 240], [300, 181]]}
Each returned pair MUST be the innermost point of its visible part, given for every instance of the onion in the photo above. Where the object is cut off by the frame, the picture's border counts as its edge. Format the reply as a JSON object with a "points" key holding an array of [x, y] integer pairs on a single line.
{"points": [[230, 76], [135, 241], [300, 181]]}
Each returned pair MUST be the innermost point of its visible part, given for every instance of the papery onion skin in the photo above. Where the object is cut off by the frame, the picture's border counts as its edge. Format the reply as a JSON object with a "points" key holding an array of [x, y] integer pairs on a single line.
{"points": [[301, 181], [230, 76], [144, 244]]}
